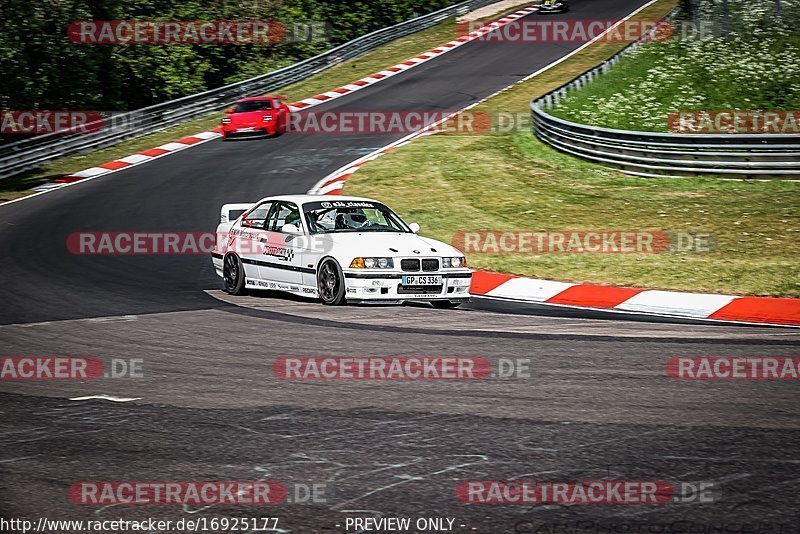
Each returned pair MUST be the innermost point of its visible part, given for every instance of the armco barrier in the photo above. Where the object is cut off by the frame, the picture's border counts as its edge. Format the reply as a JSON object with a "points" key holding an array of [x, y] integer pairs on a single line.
{"points": [[25, 155], [664, 154]]}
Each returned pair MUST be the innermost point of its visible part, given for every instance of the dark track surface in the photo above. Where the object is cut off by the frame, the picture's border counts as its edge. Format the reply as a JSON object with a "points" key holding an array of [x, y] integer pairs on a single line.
{"points": [[597, 403], [210, 409]]}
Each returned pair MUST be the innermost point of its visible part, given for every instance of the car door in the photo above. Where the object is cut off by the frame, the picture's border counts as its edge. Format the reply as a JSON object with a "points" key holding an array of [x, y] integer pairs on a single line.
{"points": [[282, 252], [245, 239]]}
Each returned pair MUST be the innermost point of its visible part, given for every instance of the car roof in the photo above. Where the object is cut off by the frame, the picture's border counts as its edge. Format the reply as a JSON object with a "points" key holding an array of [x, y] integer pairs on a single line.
{"points": [[256, 98], [303, 199]]}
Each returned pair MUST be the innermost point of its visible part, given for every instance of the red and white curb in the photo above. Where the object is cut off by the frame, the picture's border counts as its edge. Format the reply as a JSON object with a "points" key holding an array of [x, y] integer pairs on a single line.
{"points": [[755, 310], [130, 161], [672, 304], [412, 62], [186, 142], [333, 183]]}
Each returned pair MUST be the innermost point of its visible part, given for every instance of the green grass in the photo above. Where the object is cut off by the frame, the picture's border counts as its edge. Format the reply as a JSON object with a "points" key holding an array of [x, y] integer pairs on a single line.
{"points": [[337, 76], [518, 98], [755, 68], [514, 182]]}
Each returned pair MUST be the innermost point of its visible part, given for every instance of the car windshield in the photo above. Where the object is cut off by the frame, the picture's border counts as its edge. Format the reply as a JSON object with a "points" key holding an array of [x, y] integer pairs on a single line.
{"points": [[352, 216], [252, 105]]}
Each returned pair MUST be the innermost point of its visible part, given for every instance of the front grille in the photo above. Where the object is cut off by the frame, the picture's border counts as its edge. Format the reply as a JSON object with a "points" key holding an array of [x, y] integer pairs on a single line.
{"points": [[425, 290], [409, 265], [430, 265]]}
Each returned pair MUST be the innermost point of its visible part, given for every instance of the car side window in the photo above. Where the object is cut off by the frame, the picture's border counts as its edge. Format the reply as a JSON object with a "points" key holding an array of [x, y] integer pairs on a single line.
{"points": [[283, 213], [257, 217]]}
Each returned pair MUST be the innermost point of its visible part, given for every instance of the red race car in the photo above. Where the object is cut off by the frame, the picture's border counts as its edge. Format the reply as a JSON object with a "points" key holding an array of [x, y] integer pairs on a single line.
{"points": [[256, 115]]}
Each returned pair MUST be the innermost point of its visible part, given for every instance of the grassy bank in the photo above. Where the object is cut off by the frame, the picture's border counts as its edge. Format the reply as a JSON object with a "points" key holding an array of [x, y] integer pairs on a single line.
{"points": [[452, 183], [514, 182], [753, 67]]}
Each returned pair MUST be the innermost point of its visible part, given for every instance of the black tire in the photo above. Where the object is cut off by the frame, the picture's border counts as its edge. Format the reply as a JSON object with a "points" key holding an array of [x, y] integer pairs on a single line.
{"points": [[445, 304], [330, 283], [232, 275]]}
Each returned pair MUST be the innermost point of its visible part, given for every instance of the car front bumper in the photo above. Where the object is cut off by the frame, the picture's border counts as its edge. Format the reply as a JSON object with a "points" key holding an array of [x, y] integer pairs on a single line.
{"points": [[376, 286], [261, 129]]}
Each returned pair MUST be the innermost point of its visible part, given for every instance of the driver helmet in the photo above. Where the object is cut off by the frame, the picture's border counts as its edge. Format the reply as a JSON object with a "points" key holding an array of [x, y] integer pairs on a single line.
{"points": [[354, 218]]}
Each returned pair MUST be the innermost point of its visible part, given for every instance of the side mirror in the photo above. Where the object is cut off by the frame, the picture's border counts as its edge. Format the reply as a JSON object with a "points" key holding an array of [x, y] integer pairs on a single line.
{"points": [[229, 110], [291, 229], [414, 227]]}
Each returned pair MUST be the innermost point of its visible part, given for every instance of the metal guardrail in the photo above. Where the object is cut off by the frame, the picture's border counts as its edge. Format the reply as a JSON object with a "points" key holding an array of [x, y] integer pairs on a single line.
{"points": [[664, 154], [29, 154]]}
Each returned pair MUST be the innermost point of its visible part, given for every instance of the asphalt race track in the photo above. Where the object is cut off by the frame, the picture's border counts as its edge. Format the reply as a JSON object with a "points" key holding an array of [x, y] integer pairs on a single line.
{"points": [[596, 403], [184, 191]]}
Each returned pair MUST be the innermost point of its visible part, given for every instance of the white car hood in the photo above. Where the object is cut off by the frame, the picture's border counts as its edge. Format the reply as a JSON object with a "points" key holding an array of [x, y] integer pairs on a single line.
{"points": [[379, 244]]}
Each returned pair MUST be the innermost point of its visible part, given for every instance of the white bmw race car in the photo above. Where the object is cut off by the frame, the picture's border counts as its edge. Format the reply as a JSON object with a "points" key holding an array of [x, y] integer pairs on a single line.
{"points": [[337, 249]]}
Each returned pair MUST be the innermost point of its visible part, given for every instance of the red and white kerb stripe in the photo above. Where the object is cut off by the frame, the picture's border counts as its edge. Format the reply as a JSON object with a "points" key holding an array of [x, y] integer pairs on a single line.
{"points": [[148, 155], [767, 310]]}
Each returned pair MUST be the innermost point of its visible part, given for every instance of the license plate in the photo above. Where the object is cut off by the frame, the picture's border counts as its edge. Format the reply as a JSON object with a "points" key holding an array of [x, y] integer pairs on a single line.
{"points": [[248, 129], [422, 280]]}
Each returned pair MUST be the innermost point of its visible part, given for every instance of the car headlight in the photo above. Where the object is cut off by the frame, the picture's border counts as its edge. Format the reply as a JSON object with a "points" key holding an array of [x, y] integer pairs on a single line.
{"points": [[454, 262], [372, 263], [226, 120], [267, 118]]}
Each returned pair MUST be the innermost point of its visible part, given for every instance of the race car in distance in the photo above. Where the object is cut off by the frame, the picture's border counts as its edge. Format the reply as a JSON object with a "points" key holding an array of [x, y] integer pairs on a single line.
{"points": [[553, 6], [256, 115], [338, 249]]}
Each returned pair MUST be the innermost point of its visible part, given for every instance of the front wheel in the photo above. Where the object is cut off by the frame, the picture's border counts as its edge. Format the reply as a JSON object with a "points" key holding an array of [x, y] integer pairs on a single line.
{"points": [[232, 275], [330, 283], [445, 304]]}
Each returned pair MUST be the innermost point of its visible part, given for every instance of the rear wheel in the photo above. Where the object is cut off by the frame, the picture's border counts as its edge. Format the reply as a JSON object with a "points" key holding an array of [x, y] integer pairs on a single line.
{"points": [[445, 304], [232, 275], [330, 283]]}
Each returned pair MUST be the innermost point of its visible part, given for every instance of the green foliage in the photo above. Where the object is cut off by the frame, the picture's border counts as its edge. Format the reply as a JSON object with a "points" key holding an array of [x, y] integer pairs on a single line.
{"points": [[753, 67], [42, 69]]}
